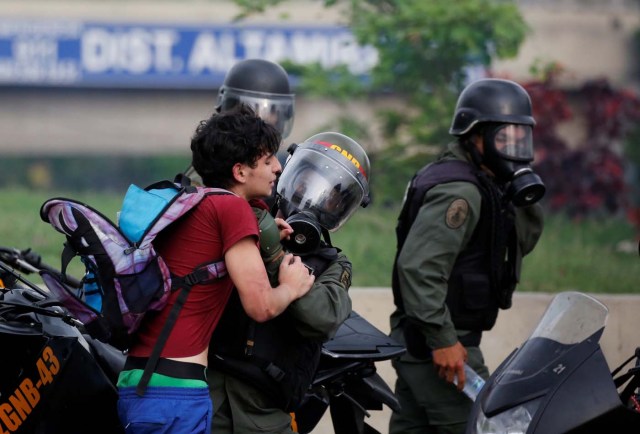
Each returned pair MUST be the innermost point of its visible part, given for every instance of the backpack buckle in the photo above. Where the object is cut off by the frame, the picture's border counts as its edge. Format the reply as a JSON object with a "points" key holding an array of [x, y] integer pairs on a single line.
{"points": [[195, 277]]}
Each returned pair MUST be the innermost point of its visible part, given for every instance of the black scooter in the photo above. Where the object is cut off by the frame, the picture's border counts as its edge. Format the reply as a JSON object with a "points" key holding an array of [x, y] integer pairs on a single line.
{"points": [[558, 381], [54, 378]]}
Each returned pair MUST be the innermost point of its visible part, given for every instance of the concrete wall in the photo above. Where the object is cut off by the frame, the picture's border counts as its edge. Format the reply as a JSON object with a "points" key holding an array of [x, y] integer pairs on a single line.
{"points": [[514, 326], [67, 121], [588, 39]]}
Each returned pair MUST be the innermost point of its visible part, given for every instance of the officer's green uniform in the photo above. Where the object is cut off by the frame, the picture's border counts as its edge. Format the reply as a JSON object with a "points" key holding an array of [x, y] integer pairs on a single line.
{"points": [[441, 230], [239, 407]]}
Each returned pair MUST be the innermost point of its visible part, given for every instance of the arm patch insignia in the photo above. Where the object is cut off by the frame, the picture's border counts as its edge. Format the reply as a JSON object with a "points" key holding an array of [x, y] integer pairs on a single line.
{"points": [[457, 213]]}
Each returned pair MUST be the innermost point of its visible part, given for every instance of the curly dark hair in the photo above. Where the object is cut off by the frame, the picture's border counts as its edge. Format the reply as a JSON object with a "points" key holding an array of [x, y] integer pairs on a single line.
{"points": [[235, 136]]}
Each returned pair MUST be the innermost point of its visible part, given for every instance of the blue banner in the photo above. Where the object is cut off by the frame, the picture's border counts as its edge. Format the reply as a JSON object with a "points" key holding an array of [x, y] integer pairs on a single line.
{"points": [[106, 55]]}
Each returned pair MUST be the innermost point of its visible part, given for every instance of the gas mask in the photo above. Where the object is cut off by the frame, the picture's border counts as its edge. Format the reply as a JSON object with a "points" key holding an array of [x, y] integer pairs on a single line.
{"points": [[508, 153], [321, 186], [307, 233]]}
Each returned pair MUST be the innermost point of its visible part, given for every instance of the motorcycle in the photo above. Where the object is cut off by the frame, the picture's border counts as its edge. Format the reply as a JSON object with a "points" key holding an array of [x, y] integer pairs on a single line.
{"points": [[347, 382], [55, 378], [558, 380]]}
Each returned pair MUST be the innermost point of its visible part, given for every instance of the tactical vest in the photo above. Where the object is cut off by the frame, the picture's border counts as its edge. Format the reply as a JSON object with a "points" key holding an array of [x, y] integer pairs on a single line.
{"points": [[484, 275], [271, 356]]}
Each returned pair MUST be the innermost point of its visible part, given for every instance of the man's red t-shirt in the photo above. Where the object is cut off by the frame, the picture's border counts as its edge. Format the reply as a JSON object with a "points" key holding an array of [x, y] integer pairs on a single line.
{"points": [[202, 236]]}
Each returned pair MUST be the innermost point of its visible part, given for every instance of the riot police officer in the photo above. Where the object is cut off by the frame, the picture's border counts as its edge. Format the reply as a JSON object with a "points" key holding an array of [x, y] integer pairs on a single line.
{"points": [[262, 85], [259, 372], [467, 221]]}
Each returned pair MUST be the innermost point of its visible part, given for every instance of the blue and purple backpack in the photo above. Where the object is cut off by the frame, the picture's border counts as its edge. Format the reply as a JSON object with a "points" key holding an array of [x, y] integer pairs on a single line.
{"points": [[125, 277]]}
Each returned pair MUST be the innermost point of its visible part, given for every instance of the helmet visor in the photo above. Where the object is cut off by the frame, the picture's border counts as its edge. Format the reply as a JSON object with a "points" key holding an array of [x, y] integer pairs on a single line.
{"points": [[313, 182], [514, 141], [275, 109]]}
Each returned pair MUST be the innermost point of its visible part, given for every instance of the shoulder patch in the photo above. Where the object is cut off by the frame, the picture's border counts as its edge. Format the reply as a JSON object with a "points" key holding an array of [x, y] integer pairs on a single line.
{"points": [[345, 278], [457, 213]]}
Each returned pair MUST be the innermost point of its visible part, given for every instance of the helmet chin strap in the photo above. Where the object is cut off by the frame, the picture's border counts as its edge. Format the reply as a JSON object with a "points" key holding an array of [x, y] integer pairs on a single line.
{"points": [[472, 150]]}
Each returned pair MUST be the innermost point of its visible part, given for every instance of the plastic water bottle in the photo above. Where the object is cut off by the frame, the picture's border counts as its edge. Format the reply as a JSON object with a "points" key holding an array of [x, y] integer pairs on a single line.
{"points": [[473, 383]]}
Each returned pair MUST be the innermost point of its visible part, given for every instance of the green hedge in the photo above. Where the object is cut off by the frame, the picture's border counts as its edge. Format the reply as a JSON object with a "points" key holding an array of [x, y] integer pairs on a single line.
{"points": [[87, 173]]}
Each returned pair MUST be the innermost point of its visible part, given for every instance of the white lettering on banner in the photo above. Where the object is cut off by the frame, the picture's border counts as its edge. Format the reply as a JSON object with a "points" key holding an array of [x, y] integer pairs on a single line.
{"points": [[35, 49], [35, 59], [338, 49], [212, 54], [304, 47], [276, 47], [164, 41], [62, 72], [71, 52], [252, 41], [136, 51]]}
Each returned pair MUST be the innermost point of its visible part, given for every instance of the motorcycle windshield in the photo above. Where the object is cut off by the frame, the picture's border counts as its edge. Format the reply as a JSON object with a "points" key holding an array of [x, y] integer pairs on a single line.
{"points": [[570, 319]]}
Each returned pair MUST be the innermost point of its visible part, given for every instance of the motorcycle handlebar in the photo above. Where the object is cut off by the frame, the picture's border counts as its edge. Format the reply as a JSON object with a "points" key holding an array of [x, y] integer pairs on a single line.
{"points": [[28, 261]]}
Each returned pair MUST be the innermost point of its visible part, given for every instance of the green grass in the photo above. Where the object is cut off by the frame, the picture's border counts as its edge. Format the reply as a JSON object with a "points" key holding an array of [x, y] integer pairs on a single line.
{"points": [[584, 256], [570, 255], [21, 226]]}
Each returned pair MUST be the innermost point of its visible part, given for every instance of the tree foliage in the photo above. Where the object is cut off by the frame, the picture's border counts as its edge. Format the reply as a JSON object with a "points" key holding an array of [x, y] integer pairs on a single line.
{"points": [[425, 49], [427, 52], [586, 178]]}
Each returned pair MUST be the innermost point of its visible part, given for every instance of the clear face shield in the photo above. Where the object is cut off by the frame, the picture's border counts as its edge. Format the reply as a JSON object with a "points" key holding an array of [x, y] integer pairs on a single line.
{"points": [[514, 142], [321, 187], [509, 154], [275, 109]]}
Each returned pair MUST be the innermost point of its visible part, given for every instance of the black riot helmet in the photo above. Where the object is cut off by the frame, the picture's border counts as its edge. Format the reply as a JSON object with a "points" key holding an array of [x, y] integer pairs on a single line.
{"points": [[500, 112], [491, 100], [323, 183], [262, 85]]}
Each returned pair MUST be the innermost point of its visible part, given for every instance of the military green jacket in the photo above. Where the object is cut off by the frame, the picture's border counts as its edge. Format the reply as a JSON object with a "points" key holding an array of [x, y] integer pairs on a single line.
{"points": [[239, 406], [319, 313], [442, 230]]}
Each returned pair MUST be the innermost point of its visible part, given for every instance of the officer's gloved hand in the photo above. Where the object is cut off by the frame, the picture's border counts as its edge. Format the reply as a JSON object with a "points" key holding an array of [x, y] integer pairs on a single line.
{"points": [[270, 246], [329, 264]]}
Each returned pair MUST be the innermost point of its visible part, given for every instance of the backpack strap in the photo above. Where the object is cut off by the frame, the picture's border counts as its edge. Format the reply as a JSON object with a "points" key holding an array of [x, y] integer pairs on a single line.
{"points": [[68, 253], [202, 274], [183, 180]]}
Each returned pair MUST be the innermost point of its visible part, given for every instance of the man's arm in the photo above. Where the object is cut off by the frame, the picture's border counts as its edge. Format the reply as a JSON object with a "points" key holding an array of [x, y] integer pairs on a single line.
{"points": [[442, 229], [320, 312], [259, 300]]}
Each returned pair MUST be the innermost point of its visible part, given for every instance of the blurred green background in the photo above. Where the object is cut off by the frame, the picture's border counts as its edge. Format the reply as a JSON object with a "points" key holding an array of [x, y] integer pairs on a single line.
{"points": [[91, 143], [592, 255]]}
